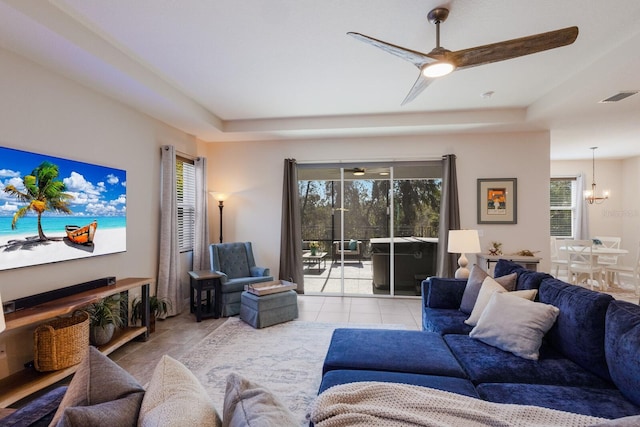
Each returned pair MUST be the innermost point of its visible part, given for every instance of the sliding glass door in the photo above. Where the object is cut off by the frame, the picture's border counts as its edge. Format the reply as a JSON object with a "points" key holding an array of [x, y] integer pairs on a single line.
{"points": [[365, 213], [369, 229]]}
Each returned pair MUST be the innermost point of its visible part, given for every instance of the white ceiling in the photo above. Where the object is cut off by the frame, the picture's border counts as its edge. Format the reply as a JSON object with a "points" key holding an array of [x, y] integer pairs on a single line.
{"points": [[227, 70]]}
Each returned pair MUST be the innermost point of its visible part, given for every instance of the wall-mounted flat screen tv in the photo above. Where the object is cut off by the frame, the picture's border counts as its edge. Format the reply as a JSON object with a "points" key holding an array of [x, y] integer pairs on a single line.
{"points": [[54, 209]]}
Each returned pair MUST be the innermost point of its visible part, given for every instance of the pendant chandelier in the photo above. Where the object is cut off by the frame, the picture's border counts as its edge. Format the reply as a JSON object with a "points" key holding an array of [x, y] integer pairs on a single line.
{"points": [[591, 195]]}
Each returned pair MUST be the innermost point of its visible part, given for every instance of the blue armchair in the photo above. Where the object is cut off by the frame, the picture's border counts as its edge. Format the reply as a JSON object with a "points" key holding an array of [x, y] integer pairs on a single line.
{"points": [[235, 262]]}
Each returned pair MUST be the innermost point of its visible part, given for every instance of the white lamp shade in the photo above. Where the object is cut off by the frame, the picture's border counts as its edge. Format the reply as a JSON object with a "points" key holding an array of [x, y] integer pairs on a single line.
{"points": [[221, 197], [2, 324], [463, 242]]}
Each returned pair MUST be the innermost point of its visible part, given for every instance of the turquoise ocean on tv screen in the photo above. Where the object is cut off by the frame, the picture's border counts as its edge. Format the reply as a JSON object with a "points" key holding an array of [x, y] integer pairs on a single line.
{"points": [[55, 224]]}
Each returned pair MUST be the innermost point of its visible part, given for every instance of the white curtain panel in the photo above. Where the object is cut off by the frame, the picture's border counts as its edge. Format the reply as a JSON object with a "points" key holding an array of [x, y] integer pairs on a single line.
{"points": [[168, 269], [581, 225], [201, 238]]}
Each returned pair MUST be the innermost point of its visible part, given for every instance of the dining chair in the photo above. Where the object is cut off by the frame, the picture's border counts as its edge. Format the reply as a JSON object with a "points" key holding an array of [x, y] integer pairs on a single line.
{"points": [[613, 272], [582, 263], [558, 258], [608, 242]]}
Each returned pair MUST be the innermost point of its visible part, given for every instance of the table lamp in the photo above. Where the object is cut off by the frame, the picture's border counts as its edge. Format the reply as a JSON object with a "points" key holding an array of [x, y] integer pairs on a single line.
{"points": [[463, 242]]}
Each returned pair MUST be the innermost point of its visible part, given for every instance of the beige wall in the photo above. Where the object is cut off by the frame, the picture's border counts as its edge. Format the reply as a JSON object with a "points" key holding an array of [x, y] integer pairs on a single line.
{"points": [[252, 172], [45, 113], [620, 214], [630, 212]]}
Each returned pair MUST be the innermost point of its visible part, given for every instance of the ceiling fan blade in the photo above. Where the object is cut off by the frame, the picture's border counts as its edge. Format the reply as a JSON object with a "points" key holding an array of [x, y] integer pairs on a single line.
{"points": [[514, 48], [416, 58], [420, 85]]}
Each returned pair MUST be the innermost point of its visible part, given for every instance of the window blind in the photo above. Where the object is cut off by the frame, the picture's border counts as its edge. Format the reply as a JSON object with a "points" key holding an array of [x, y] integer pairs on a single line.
{"points": [[186, 201], [562, 199]]}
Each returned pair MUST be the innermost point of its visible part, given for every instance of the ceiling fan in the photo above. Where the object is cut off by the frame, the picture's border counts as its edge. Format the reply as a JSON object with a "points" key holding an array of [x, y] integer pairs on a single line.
{"points": [[440, 61]]}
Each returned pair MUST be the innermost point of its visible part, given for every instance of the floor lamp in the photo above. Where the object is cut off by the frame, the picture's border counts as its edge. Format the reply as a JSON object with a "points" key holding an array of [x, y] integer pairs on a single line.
{"points": [[220, 197], [463, 242]]}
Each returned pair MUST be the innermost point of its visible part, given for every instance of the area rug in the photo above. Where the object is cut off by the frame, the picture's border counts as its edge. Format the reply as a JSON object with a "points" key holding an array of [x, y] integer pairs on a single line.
{"points": [[286, 359]]}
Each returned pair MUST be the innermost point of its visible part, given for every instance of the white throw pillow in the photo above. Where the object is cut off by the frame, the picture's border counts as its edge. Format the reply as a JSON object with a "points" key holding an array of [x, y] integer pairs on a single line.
{"points": [[489, 287], [175, 397], [514, 324]]}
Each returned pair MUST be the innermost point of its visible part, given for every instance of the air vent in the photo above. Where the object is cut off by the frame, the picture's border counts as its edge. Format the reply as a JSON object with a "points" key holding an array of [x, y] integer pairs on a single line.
{"points": [[619, 96]]}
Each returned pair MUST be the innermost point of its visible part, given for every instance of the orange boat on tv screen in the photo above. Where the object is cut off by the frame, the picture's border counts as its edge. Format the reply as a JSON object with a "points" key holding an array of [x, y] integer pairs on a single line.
{"points": [[81, 235]]}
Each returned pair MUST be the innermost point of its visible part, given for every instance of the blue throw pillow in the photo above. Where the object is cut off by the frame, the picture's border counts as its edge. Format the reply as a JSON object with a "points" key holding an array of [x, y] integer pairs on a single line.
{"points": [[353, 245], [504, 267]]}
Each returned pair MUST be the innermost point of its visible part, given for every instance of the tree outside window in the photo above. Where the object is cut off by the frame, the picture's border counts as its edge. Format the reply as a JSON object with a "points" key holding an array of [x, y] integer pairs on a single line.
{"points": [[562, 199]]}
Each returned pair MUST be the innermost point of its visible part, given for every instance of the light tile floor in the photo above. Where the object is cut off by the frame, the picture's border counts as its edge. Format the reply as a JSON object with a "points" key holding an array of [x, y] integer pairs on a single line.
{"points": [[377, 310]]}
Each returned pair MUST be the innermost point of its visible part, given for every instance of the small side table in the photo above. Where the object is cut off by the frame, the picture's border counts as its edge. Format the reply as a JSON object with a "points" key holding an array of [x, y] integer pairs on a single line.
{"points": [[318, 258], [205, 280], [528, 262]]}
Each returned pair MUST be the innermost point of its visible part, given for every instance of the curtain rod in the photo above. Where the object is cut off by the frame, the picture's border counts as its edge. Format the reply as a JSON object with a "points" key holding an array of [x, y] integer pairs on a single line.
{"points": [[396, 160], [187, 156]]}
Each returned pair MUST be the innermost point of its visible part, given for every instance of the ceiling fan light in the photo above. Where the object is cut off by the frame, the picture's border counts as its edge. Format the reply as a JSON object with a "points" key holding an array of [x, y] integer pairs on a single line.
{"points": [[438, 69]]}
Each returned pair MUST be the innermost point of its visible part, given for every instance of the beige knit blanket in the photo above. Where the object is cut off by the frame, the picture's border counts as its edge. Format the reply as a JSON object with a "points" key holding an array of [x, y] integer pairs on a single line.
{"points": [[390, 404]]}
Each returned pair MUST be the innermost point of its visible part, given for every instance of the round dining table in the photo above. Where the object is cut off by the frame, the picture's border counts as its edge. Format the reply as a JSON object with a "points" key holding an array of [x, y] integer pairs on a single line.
{"points": [[597, 250], [600, 250]]}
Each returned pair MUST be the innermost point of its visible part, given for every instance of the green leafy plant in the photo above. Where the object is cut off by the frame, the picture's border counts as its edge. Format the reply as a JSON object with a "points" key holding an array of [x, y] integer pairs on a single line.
{"points": [[495, 249], [42, 192], [106, 311], [157, 306]]}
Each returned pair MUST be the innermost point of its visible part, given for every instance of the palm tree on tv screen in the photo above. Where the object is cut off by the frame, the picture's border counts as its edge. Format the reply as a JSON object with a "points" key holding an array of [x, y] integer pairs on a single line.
{"points": [[43, 192]]}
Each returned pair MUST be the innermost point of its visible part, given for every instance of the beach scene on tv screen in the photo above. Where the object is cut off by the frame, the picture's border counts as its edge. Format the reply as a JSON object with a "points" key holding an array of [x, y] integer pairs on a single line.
{"points": [[54, 209]]}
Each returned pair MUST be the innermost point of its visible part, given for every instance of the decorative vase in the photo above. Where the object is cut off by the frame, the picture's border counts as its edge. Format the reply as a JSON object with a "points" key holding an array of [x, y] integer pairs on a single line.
{"points": [[100, 335], [314, 250]]}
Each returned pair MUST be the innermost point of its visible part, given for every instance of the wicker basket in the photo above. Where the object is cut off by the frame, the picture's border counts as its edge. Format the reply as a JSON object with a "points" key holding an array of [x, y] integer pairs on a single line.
{"points": [[62, 342]]}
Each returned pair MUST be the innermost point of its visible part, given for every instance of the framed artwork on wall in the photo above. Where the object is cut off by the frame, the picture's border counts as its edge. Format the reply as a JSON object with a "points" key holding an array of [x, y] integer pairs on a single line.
{"points": [[54, 209], [497, 201]]}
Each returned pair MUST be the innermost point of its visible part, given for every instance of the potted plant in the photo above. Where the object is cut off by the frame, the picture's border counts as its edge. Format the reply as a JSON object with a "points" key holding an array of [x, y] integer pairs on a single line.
{"points": [[495, 249], [104, 317], [314, 246], [157, 307]]}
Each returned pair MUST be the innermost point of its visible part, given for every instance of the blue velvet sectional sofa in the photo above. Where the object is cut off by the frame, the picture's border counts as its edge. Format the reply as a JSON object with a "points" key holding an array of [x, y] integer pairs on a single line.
{"points": [[589, 361]]}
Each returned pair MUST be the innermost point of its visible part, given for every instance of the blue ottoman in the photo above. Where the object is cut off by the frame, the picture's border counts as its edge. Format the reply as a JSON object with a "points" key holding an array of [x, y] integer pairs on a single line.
{"points": [[267, 310], [391, 350]]}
